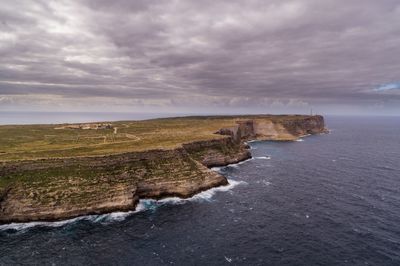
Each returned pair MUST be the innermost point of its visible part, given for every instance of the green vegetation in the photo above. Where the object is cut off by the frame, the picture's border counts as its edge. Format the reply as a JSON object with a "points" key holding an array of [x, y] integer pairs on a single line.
{"points": [[76, 181], [47, 141], [47, 171]]}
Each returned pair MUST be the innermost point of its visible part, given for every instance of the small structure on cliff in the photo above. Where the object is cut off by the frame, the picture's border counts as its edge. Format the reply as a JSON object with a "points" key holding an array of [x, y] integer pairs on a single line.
{"points": [[48, 175], [87, 126]]}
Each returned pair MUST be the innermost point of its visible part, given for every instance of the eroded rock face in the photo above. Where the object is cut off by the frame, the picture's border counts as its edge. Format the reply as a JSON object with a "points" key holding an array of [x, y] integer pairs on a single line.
{"points": [[53, 189], [309, 125], [22, 204], [70, 187], [218, 152], [181, 188], [265, 129]]}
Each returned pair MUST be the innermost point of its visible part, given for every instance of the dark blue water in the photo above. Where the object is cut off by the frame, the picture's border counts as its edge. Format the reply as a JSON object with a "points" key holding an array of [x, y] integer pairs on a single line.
{"points": [[330, 200]]}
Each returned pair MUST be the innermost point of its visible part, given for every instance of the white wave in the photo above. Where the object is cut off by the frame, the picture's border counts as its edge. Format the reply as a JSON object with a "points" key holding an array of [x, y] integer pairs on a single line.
{"points": [[228, 259], [263, 158], [202, 196], [301, 138], [267, 183], [115, 216], [242, 162], [208, 194], [234, 165], [24, 226], [217, 169], [144, 204], [101, 218]]}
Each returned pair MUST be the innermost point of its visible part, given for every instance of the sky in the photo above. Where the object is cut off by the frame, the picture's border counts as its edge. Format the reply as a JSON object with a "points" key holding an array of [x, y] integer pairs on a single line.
{"points": [[209, 56]]}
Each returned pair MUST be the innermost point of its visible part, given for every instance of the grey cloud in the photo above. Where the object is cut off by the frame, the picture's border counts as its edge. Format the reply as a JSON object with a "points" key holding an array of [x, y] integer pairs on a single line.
{"points": [[309, 51]]}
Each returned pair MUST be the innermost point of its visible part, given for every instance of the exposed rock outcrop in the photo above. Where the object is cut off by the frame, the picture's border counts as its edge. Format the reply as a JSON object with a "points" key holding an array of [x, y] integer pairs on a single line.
{"points": [[53, 189], [218, 152], [266, 129], [69, 187]]}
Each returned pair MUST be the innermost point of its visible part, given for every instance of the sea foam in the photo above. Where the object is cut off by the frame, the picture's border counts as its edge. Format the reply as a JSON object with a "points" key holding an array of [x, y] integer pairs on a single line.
{"points": [[143, 205], [263, 158], [199, 197]]}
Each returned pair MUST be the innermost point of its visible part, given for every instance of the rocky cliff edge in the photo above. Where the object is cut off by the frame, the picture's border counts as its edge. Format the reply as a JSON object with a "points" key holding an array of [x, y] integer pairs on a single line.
{"points": [[54, 189]]}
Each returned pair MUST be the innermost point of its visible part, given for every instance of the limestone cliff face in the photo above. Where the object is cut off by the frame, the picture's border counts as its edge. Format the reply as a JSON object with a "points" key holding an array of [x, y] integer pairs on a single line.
{"points": [[53, 189], [22, 204], [218, 152], [65, 188], [180, 188], [266, 129], [306, 126]]}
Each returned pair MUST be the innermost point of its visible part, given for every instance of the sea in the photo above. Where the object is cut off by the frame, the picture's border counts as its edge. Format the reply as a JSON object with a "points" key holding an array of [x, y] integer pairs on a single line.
{"points": [[329, 199]]}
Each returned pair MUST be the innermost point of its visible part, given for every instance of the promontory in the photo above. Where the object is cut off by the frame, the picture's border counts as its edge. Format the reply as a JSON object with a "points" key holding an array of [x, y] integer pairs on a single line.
{"points": [[53, 172]]}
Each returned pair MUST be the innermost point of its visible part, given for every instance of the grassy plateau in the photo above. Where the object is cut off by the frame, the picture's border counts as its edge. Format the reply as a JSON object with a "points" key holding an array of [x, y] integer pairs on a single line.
{"points": [[21, 142]]}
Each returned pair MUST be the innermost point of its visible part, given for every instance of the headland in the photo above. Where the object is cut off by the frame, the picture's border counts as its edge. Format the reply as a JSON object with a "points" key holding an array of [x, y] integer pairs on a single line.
{"points": [[54, 172]]}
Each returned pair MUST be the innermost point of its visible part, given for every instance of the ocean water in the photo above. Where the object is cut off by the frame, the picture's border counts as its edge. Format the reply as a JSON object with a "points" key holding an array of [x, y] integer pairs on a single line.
{"points": [[331, 199]]}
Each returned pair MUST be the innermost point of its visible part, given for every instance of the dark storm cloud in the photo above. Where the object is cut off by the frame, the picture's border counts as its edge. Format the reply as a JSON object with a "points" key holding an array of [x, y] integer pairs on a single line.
{"points": [[232, 52]]}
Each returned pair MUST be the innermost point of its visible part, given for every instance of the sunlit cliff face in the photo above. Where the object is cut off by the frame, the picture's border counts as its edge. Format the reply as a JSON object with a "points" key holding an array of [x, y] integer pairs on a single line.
{"points": [[201, 56]]}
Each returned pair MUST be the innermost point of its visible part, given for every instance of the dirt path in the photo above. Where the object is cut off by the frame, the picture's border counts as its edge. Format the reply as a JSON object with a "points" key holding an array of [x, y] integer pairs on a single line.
{"points": [[130, 136]]}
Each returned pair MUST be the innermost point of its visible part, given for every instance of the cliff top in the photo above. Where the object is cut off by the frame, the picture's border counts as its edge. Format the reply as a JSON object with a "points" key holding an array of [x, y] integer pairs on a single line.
{"points": [[67, 140]]}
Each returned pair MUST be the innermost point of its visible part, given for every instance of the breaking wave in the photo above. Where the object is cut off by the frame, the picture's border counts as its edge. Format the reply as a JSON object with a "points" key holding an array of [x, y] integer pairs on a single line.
{"points": [[236, 165], [143, 205], [263, 158], [199, 197], [101, 218]]}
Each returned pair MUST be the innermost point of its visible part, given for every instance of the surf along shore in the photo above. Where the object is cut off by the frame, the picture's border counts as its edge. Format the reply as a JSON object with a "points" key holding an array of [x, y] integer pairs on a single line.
{"points": [[56, 172]]}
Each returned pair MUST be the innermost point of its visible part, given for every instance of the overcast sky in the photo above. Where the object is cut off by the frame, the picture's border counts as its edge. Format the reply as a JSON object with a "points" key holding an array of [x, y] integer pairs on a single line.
{"points": [[208, 56]]}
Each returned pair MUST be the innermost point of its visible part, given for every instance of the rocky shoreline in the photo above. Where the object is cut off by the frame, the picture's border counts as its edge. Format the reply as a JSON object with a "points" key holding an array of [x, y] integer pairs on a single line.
{"points": [[63, 188]]}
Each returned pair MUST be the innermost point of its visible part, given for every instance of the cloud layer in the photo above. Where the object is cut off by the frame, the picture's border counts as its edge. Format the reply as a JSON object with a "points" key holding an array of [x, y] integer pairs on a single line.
{"points": [[183, 55]]}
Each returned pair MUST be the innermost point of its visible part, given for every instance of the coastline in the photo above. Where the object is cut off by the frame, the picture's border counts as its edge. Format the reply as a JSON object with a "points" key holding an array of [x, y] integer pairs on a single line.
{"points": [[147, 191], [122, 180], [143, 205]]}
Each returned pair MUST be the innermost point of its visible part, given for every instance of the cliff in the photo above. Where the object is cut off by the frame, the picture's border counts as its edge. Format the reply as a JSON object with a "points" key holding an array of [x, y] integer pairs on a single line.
{"points": [[60, 188], [284, 129]]}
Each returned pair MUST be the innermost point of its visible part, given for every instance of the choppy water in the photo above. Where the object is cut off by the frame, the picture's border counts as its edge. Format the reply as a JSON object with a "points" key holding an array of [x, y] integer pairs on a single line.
{"points": [[329, 200]]}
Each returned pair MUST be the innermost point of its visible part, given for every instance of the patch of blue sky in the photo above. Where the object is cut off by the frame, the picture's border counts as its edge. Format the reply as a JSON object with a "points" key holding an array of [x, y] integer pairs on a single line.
{"points": [[388, 86]]}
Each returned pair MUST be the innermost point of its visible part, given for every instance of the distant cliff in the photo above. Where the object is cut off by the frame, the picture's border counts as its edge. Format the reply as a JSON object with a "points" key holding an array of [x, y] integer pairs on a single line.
{"points": [[60, 188], [284, 129]]}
